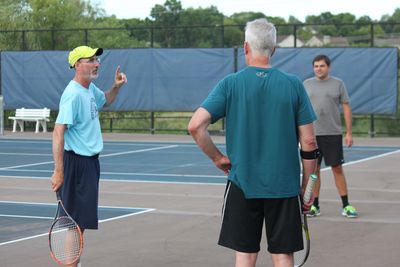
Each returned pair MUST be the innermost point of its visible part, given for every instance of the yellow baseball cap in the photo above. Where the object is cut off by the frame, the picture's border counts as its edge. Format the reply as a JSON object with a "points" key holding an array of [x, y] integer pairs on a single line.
{"points": [[82, 52]]}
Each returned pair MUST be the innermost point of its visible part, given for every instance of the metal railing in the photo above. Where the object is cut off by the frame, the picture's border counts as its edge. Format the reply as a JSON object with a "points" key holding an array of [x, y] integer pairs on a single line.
{"points": [[172, 122], [200, 36], [1, 116]]}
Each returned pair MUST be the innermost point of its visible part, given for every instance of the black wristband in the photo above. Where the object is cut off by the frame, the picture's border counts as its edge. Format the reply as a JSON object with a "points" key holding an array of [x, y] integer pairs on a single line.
{"points": [[310, 154]]}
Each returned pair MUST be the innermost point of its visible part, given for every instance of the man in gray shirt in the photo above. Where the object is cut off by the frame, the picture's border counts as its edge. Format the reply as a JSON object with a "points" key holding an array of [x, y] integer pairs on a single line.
{"points": [[327, 94]]}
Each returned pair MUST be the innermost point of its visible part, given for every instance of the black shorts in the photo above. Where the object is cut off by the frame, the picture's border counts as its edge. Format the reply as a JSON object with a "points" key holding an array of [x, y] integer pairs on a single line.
{"points": [[242, 223], [80, 191], [331, 148]]}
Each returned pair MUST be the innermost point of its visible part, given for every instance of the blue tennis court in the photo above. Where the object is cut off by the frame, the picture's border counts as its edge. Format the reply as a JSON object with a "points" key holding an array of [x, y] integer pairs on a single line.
{"points": [[157, 197], [138, 161], [129, 161]]}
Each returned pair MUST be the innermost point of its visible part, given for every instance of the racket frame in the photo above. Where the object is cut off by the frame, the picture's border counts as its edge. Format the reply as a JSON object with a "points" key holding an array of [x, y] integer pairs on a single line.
{"points": [[60, 206], [304, 224], [306, 233]]}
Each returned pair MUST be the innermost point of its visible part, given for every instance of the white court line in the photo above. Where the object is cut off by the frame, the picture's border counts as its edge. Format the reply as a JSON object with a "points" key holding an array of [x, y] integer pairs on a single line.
{"points": [[355, 220], [25, 165], [166, 175], [171, 175], [123, 181], [366, 159], [126, 215], [25, 216], [28, 203], [138, 151], [132, 174], [101, 156], [377, 202], [144, 210], [23, 239], [25, 154], [322, 218], [26, 141]]}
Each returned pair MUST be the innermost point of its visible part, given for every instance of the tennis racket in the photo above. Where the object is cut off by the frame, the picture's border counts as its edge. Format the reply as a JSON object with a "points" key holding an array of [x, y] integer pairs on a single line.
{"points": [[300, 257], [65, 237]]}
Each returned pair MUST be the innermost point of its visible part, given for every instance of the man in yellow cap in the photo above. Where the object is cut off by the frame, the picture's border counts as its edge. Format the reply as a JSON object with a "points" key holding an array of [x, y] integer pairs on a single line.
{"points": [[77, 139]]}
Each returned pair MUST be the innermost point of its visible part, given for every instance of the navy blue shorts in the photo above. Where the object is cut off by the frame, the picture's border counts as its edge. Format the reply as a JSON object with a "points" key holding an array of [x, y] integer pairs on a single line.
{"points": [[242, 223], [80, 191]]}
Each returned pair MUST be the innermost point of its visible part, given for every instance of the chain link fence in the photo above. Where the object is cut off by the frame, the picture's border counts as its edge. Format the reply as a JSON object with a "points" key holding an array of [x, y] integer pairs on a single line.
{"points": [[206, 36]]}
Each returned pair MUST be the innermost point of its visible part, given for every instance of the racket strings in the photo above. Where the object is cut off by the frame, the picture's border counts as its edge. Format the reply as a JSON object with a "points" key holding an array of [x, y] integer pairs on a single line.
{"points": [[65, 240]]}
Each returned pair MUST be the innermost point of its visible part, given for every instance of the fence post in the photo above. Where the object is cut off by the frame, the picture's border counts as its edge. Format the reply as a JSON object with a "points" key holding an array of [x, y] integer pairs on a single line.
{"points": [[1, 116], [53, 40], [372, 127], [86, 36], [222, 31], [152, 130], [23, 41], [372, 35], [152, 37]]}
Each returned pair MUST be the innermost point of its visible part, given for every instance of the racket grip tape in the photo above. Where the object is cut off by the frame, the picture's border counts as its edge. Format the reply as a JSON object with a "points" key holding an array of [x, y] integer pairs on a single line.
{"points": [[309, 188]]}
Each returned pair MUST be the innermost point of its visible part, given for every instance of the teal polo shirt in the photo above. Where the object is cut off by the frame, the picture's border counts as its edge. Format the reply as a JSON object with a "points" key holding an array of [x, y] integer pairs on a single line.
{"points": [[263, 109], [79, 111]]}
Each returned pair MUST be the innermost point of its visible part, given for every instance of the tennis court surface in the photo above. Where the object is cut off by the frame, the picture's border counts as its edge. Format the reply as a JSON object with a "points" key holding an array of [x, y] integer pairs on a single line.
{"points": [[161, 198]]}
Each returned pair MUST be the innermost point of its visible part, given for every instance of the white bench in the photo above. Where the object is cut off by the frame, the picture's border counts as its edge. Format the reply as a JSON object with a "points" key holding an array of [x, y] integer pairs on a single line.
{"points": [[40, 116]]}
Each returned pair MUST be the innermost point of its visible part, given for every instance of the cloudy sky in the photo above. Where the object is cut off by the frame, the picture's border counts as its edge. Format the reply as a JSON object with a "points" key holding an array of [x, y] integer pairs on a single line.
{"points": [[276, 8]]}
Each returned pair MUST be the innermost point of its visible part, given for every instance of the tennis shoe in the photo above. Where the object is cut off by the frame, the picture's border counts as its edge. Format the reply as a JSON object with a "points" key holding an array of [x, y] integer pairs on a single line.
{"points": [[350, 212], [314, 212]]}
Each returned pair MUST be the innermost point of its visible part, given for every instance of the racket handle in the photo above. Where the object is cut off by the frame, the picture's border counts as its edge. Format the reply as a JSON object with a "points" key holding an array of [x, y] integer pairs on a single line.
{"points": [[58, 194], [309, 188]]}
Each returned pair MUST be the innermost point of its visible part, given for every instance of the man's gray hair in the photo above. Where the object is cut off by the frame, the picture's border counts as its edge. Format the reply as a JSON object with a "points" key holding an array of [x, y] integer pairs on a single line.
{"points": [[261, 36]]}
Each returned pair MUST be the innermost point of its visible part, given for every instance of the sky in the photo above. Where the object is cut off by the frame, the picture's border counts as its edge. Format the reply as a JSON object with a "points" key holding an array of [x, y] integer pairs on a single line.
{"points": [[274, 8]]}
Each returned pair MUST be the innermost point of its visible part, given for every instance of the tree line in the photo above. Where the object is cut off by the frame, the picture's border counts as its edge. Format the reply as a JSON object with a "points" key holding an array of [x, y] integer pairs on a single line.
{"points": [[61, 24]]}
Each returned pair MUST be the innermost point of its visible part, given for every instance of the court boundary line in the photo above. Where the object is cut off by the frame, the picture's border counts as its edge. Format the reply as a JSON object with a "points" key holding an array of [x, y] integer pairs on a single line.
{"points": [[181, 175], [366, 159], [101, 156], [144, 210]]}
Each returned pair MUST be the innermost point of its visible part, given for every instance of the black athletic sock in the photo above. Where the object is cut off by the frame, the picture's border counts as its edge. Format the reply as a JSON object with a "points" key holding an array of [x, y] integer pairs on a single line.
{"points": [[345, 200], [316, 202]]}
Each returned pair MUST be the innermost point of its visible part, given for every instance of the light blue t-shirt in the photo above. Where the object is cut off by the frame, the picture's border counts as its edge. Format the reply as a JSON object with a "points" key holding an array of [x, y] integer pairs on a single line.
{"points": [[263, 109], [79, 111]]}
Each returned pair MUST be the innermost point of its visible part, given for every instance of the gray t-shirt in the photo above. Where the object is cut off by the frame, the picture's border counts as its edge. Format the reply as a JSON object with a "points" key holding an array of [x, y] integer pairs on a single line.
{"points": [[326, 97]]}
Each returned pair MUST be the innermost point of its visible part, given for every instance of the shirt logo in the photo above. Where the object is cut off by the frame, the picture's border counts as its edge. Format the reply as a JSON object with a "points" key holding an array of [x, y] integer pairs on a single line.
{"points": [[93, 109], [261, 74]]}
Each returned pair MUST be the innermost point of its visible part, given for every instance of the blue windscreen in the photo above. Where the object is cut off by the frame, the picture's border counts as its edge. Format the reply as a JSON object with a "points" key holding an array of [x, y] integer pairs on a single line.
{"points": [[180, 79]]}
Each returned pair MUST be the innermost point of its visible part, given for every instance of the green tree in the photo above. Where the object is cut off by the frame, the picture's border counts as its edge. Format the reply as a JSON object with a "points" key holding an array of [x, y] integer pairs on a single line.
{"points": [[202, 27], [140, 30], [12, 15], [363, 20], [46, 18], [166, 18], [110, 32], [233, 34], [390, 27], [294, 20]]}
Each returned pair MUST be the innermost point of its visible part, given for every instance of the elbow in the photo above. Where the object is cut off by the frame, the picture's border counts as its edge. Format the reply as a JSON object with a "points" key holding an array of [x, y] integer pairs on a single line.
{"points": [[308, 142], [311, 142], [193, 127], [199, 122]]}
